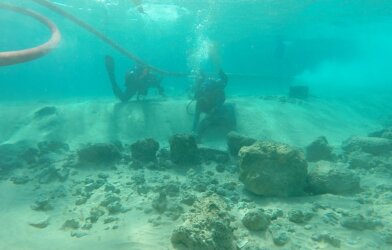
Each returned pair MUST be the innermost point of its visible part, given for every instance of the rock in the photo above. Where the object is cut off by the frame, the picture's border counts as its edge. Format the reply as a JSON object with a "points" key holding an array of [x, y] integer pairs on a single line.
{"points": [[159, 202], [52, 147], [384, 133], [39, 221], [279, 234], [112, 203], [71, 224], [328, 238], [110, 219], [44, 112], [298, 216], [99, 154], [52, 173], [256, 220], [214, 155], [42, 203], [20, 179], [236, 141], [95, 214], [387, 236], [145, 150], [207, 226], [326, 177], [12, 156], [361, 160], [183, 149], [319, 150], [188, 199], [78, 234], [371, 145], [358, 222], [272, 169]]}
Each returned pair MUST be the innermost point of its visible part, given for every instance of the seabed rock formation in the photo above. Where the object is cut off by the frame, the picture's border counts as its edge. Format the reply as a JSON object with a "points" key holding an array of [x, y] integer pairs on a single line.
{"points": [[254, 195]]}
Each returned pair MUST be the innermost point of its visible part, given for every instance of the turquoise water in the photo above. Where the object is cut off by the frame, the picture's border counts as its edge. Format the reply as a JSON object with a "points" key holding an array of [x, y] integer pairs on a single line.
{"points": [[330, 45]]}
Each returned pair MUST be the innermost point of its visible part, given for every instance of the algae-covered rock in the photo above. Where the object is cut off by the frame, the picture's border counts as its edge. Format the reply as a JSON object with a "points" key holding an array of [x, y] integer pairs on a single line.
{"points": [[99, 154], [359, 222], [273, 169], [319, 150], [145, 150], [236, 141], [206, 227], [256, 220], [326, 177], [183, 149], [371, 145]]}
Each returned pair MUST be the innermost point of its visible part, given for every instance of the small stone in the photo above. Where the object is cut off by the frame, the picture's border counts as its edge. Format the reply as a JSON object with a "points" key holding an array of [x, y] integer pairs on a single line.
{"points": [[71, 224], [358, 222], [39, 221], [42, 203], [95, 214], [255, 220], [188, 199], [80, 201], [159, 203], [145, 150], [20, 179], [319, 150], [78, 234], [110, 220]]}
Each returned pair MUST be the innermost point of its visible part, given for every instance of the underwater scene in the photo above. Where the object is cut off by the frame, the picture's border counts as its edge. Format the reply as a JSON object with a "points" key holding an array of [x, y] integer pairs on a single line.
{"points": [[195, 124]]}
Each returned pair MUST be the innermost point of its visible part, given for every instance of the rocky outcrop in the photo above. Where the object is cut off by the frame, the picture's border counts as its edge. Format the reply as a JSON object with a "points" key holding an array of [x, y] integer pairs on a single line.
{"points": [[371, 145], [183, 149], [206, 227], [273, 169], [319, 150], [145, 150], [383, 133], [99, 154], [326, 177]]}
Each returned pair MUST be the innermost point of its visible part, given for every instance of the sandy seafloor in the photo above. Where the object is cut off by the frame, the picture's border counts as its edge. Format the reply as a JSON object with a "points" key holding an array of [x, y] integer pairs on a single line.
{"points": [[139, 226]]}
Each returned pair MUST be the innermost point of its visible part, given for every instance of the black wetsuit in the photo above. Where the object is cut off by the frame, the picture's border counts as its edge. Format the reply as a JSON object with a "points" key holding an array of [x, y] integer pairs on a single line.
{"points": [[137, 82], [210, 98]]}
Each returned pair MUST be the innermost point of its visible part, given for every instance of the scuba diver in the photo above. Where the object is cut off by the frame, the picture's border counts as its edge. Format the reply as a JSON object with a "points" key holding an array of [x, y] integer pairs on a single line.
{"points": [[137, 81], [209, 94]]}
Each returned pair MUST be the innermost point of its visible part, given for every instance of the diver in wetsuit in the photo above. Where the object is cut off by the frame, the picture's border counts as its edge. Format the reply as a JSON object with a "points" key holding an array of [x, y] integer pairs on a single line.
{"points": [[210, 100], [137, 81]]}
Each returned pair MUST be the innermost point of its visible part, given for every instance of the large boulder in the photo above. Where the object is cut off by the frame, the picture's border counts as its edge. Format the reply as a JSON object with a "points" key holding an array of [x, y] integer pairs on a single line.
{"points": [[206, 227], [273, 169], [326, 177], [319, 150], [99, 154], [236, 141], [145, 150], [183, 149], [371, 145]]}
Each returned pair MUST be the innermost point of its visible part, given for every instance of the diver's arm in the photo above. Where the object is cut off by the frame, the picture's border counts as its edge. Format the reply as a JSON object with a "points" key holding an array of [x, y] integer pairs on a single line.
{"points": [[109, 63], [196, 118]]}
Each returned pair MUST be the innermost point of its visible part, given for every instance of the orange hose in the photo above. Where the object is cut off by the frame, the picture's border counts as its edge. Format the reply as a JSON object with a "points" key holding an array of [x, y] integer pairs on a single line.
{"points": [[25, 55]]}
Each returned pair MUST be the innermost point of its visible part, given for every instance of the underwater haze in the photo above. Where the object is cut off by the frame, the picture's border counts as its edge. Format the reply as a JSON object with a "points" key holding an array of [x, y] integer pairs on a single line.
{"points": [[329, 45]]}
